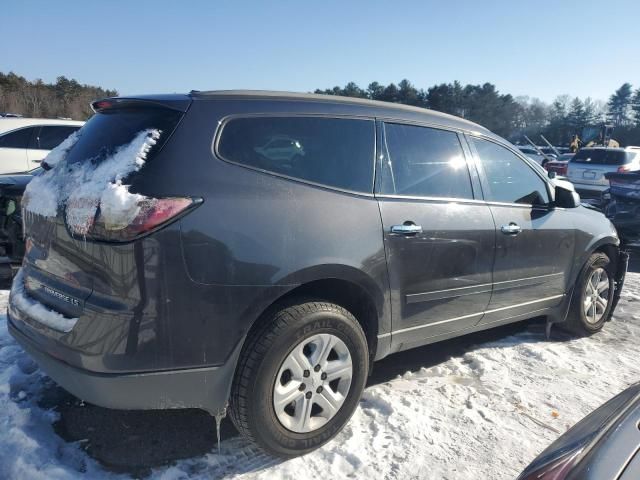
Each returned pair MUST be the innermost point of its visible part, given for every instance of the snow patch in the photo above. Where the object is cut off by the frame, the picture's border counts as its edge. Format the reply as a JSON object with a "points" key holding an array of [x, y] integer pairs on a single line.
{"points": [[484, 414], [21, 300], [60, 152], [83, 187]]}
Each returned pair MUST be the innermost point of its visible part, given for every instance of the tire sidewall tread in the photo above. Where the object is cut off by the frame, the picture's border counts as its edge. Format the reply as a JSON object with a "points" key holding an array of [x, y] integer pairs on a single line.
{"points": [[251, 403]]}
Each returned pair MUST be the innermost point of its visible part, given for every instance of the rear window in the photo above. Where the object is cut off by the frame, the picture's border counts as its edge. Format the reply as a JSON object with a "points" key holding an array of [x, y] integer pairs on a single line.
{"points": [[109, 129], [330, 151], [602, 157]]}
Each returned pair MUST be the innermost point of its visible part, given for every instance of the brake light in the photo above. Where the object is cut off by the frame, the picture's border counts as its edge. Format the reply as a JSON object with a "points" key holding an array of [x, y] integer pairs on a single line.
{"points": [[144, 216]]}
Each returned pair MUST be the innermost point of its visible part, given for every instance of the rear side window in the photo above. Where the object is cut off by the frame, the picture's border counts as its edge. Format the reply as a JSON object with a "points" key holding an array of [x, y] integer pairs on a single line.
{"points": [[336, 152], [110, 129], [424, 162], [50, 137], [17, 139], [510, 179], [602, 157]]}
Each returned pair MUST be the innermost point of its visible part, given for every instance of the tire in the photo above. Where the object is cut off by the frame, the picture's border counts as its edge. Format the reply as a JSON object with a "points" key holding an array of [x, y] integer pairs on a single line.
{"points": [[269, 373], [578, 321]]}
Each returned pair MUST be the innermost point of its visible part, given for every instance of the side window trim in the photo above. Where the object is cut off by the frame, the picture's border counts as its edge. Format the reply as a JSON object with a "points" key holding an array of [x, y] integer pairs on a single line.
{"points": [[485, 182], [226, 119], [383, 153]]}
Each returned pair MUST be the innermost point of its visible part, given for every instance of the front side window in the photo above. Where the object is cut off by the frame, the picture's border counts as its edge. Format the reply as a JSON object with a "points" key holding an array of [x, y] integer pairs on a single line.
{"points": [[50, 137], [509, 178], [425, 162], [17, 138], [335, 152]]}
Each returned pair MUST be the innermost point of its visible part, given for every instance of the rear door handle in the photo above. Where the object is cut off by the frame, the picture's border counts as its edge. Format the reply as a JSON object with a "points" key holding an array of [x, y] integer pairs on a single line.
{"points": [[511, 229], [406, 229]]}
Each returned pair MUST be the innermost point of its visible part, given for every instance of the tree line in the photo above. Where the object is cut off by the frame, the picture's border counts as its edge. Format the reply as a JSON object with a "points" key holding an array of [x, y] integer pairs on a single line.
{"points": [[508, 116], [66, 98], [514, 117]]}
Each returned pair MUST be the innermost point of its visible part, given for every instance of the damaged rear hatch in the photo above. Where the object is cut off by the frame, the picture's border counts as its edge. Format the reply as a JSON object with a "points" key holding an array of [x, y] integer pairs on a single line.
{"points": [[81, 214]]}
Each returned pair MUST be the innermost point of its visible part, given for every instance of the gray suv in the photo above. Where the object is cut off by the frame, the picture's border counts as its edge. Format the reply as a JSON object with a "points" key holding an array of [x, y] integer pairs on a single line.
{"points": [[175, 259]]}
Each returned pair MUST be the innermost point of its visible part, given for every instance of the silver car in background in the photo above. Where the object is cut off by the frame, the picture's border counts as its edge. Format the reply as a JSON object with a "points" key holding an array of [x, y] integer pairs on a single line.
{"points": [[587, 168]]}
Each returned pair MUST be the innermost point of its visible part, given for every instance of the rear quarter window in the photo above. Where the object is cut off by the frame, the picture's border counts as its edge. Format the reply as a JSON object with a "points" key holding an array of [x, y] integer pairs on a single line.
{"points": [[336, 152]]}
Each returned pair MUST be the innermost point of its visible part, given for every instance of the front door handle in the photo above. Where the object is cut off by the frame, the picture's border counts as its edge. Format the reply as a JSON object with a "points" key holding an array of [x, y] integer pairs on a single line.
{"points": [[511, 229], [408, 228]]}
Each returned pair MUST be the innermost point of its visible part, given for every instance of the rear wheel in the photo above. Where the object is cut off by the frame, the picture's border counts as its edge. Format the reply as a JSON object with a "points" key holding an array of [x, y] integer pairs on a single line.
{"points": [[592, 297], [300, 378]]}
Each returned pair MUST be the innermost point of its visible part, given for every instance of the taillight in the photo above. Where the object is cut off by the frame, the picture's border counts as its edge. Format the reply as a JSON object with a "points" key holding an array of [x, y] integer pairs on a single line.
{"points": [[624, 168], [144, 216]]}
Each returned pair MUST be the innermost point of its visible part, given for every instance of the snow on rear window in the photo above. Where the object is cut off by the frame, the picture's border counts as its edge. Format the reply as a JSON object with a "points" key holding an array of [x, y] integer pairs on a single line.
{"points": [[81, 187]]}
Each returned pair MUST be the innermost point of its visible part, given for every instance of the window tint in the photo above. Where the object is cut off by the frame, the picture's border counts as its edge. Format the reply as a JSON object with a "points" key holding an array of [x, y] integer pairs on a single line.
{"points": [[424, 162], [510, 179], [330, 151], [17, 139], [50, 137]]}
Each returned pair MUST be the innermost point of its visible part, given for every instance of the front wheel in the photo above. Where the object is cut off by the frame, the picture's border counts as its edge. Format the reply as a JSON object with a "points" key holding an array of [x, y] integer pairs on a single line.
{"points": [[592, 297], [300, 378]]}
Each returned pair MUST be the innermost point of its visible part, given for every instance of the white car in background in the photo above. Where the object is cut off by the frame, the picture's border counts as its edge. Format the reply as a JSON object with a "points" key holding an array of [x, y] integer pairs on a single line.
{"points": [[24, 142], [534, 155]]}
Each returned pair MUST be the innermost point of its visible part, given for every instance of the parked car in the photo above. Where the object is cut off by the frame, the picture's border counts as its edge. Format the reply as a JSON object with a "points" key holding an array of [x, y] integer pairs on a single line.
{"points": [[559, 166], [533, 154], [11, 237], [24, 142], [587, 168], [622, 205], [605, 445], [173, 265]]}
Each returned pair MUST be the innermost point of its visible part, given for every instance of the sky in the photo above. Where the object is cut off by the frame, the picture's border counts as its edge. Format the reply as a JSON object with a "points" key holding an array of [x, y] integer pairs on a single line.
{"points": [[536, 48]]}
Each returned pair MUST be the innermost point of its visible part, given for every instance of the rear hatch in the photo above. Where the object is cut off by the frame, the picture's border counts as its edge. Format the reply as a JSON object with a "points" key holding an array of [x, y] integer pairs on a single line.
{"points": [[588, 166], [74, 239]]}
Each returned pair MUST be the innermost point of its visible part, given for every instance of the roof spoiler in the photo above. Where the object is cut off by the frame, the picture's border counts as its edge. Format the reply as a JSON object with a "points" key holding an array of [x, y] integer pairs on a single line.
{"points": [[174, 102]]}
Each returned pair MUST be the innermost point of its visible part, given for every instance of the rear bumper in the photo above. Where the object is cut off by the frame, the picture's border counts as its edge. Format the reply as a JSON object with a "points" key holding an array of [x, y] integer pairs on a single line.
{"points": [[205, 388]]}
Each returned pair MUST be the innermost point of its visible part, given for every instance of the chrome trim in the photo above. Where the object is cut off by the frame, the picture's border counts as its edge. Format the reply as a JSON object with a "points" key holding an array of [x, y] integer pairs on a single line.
{"points": [[483, 288], [406, 229], [531, 302]]}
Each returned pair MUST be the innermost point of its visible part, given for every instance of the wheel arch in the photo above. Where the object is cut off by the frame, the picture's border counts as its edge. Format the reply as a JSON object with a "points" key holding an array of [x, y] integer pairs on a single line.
{"points": [[346, 286]]}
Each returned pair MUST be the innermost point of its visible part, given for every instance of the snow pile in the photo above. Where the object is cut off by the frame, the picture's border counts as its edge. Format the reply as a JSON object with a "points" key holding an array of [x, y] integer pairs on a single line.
{"points": [[483, 413], [37, 311], [83, 186]]}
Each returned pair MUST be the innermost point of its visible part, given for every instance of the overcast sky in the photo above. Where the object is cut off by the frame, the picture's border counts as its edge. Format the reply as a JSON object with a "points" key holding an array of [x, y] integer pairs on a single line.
{"points": [[537, 48]]}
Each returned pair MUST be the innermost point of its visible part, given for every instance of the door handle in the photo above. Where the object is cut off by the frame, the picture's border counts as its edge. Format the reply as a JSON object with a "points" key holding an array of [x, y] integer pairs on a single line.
{"points": [[511, 229], [408, 228]]}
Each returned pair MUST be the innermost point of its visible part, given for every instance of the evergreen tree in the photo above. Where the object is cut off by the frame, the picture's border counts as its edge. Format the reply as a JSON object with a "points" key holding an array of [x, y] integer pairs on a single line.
{"points": [[635, 107], [619, 105]]}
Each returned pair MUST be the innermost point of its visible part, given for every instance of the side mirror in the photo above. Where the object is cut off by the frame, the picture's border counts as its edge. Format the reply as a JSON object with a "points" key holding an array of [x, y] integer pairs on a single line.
{"points": [[551, 174], [566, 195]]}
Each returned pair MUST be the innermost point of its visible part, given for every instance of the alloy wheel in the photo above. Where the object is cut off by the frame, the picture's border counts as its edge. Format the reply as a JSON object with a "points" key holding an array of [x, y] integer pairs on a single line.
{"points": [[312, 383]]}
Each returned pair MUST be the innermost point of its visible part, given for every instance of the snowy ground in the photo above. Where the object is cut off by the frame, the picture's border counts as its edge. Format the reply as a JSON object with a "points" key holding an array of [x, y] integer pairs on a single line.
{"points": [[482, 407]]}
